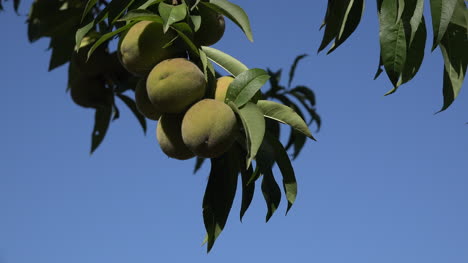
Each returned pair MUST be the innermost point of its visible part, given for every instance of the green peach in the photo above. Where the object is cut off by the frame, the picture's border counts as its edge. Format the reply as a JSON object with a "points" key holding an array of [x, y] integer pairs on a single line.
{"points": [[168, 133], [174, 84], [209, 128]]}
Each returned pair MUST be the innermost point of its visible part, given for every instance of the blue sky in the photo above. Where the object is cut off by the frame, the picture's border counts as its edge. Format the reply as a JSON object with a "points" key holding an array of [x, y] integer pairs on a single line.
{"points": [[386, 181]]}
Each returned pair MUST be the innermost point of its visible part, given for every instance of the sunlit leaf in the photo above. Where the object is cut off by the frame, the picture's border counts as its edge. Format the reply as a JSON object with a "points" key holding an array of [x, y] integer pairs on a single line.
{"points": [[172, 14], [245, 86], [253, 123], [284, 114], [225, 61]]}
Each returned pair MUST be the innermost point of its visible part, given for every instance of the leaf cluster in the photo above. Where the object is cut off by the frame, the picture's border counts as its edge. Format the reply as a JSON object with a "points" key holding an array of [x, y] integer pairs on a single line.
{"points": [[403, 35]]}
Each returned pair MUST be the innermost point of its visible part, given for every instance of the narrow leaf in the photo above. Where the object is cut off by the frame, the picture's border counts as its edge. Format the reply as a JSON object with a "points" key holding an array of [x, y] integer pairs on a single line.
{"points": [[285, 166], [392, 42], [293, 68], [248, 190], [102, 120], [225, 61], [284, 114], [441, 11], [219, 194], [271, 193], [89, 5], [233, 12], [198, 164], [172, 14], [453, 46], [415, 54], [117, 8], [132, 106], [108, 36], [253, 123], [245, 86]]}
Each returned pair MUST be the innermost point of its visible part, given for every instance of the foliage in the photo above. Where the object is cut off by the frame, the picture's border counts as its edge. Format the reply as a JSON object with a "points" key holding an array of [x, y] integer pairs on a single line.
{"points": [[403, 36], [80, 33]]}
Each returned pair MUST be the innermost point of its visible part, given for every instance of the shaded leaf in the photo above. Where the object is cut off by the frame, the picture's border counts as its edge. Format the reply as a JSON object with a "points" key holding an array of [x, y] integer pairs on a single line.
{"points": [[198, 164], [248, 189], [293, 68], [225, 61], [117, 8], [271, 193], [102, 120], [351, 19], [219, 194], [233, 12], [415, 55], [441, 11], [285, 166], [132, 106], [108, 36], [307, 92], [453, 46], [89, 5]]}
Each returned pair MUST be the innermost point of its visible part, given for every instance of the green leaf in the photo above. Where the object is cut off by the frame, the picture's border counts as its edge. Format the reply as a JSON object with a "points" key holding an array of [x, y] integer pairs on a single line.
{"points": [[196, 21], [225, 61], [415, 54], [141, 15], [219, 194], [132, 106], [81, 33], [417, 18], [172, 14], [270, 189], [149, 3], [89, 5], [442, 12], [293, 68], [102, 120], [108, 36], [245, 86], [393, 42], [198, 164], [271, 193], [453, 46], [460, 15], [284, 114], [62, 49], [332, 22], [248, 189], [285, 166], [185, 32], [351, 19], [117, 8], [379, 68], [254, 127], [233, 12], [307, 92]]}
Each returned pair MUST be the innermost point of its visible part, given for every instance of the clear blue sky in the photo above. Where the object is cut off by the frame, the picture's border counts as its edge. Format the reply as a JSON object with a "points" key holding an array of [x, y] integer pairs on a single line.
{"points": [[386, 182]]}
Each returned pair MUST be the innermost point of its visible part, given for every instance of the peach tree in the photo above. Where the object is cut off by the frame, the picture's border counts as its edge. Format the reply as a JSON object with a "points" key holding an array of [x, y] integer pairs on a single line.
{"points": [[208, 104]]}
